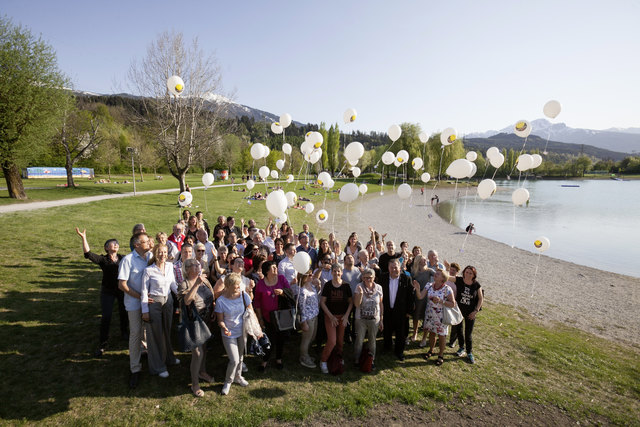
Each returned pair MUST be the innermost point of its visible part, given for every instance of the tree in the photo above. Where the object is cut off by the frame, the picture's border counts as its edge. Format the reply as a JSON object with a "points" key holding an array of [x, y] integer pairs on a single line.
{"points": [[324, 160], [186, 126], [80, 134], [30, 90], [333, 144]]}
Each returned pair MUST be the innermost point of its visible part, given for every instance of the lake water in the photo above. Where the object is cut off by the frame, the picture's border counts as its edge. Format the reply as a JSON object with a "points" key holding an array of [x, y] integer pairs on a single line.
{"points": [[596, 224]]}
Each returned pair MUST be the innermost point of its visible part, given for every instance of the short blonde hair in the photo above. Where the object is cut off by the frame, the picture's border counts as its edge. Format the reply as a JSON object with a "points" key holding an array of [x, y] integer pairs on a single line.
{"points": [[231, 280]]}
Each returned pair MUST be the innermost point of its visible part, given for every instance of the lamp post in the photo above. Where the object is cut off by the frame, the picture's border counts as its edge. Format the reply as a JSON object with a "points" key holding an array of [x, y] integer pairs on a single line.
{"points": [[132, 150]]}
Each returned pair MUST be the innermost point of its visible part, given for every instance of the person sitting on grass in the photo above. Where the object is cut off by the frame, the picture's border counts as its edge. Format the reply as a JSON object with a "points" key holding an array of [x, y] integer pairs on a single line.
{"points": [[109, 291]]}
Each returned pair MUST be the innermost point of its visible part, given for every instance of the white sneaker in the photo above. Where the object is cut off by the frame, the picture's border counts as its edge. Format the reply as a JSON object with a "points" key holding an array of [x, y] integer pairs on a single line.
{"points": [[164, 374], [323, 368], [244, 368], [225, 389], [240, 380], [307, 363]]}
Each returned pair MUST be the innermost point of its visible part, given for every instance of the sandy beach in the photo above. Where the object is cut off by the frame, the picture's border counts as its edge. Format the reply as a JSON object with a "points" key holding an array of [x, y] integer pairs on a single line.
{"points": [[593, 300]]}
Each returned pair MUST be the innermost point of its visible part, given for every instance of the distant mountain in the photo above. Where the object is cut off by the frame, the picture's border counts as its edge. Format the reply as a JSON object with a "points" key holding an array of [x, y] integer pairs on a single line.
{"points": [[618, 140], [510, 140]]}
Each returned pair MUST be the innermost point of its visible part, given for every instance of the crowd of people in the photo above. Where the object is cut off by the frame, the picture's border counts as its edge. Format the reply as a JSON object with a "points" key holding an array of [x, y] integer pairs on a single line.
{"points": [[351, 293]]}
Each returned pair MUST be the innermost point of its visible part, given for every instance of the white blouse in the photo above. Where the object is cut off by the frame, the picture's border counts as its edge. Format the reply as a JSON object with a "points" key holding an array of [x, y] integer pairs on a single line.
{"points": [[156, 282]]}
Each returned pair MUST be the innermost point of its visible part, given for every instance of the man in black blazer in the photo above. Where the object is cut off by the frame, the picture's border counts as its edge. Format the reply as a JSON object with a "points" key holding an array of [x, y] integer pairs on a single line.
{"points": [[398, 301]]}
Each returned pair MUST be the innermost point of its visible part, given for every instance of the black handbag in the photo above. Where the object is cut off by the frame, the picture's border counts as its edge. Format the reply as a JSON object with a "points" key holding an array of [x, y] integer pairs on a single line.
{"points": [[192, 330], [284, 319]]}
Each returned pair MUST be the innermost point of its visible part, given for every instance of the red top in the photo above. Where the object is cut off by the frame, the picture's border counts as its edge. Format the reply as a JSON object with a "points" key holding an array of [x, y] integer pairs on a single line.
{"points": [[265, 299]]}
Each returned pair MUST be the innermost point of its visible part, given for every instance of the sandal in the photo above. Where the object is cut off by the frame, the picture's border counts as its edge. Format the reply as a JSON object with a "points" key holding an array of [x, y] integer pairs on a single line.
{"points": [[206, 377], [440, 361], [198, 392], [428, 355]]}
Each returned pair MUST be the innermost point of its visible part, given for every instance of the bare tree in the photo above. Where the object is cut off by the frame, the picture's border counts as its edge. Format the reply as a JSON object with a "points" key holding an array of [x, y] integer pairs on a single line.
{"points": [[186, 127]]}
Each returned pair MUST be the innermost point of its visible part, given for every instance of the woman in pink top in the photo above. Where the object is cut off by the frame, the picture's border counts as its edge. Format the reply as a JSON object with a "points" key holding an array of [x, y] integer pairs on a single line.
{"points": [[266, 294]]}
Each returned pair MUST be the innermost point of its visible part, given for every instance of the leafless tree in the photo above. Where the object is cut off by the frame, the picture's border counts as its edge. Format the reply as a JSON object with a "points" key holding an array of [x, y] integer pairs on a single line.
{"points": [[186, 127]]}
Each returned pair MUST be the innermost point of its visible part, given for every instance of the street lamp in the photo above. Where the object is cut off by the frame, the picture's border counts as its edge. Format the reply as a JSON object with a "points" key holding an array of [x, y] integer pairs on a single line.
{"points": [[132, 150]]}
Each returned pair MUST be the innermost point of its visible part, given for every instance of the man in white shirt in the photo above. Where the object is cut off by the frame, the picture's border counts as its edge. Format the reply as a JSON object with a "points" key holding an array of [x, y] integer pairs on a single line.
{"points": [[130, 282], [285, 267], [209, 250]]}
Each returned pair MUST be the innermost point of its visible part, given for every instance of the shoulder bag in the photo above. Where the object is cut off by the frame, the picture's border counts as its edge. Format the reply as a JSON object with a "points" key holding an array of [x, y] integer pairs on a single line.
{"points": [[192, 330]]}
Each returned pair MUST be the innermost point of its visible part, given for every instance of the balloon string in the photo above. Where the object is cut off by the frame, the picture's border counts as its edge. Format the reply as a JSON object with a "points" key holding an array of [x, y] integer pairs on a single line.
{"points": [[465, 240], [455, 200], [514, 227], [394, 179], [388, 149], [519, 154], [440, 168], [382, 181], [545, 145]]}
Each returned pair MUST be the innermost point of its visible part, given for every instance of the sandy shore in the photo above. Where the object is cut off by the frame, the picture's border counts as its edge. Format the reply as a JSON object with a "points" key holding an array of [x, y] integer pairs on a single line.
{"points": [[596, 301]]}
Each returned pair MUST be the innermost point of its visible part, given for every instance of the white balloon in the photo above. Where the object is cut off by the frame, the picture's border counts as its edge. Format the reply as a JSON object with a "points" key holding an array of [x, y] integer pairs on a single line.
{"points": [[497, 160], [542, 244], [250, 184], [292, 198], [257, 151], [551, 109], [349, 116], [263, 172], [185, 198], [472, 156], [474, 169], [352, 162], [448, 136], [524, 162], [330, 184], [266, 151], [417, 163], [354, 151], [302, 262], [363, 188], [315, 156], [394, 132], [276, 128], [285, 120], [306, 148], [486, 188], [520, 196], [388, 158], [280, 164], [321, 216], [290, 178], [314, 138], [286, 148], [522, 128], [493, 151], [276, 203], [175, 85], [207, 179], [404, 191], [459, 168], [424, 138], [402, 156], [425, 177], [308, 208], [324, 178], [281, 218], [397, 163], [349, 192], [356, 172], [537, 160], [274, 174]]}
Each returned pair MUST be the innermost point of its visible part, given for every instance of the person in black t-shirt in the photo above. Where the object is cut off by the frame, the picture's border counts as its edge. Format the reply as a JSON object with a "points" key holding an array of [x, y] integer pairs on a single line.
{"points": [[109, 291], [469, 297]]}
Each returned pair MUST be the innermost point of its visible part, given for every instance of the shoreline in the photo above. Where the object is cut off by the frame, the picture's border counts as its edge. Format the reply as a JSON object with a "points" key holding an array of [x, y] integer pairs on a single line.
{"points": [[597, 301]]}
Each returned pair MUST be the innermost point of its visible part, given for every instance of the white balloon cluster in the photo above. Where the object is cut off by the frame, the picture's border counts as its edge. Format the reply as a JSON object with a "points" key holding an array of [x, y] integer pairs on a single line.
{"points": [[324, 179], [528, 161], [496, 158], [461, 168], [259, 151], [354, 152]]}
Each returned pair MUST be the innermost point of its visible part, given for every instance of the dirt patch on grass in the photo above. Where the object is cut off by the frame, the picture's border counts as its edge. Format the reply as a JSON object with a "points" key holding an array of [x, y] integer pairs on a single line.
{"points": [[505, 412]]}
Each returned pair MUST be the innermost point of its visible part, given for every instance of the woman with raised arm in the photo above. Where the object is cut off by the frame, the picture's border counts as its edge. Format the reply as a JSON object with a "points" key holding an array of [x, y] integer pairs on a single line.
{"points": [[196, 289], [109, 292]]}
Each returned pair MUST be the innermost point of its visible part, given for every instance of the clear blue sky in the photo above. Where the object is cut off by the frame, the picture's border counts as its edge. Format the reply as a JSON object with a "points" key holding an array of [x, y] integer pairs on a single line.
{"points": [[473, 65]]}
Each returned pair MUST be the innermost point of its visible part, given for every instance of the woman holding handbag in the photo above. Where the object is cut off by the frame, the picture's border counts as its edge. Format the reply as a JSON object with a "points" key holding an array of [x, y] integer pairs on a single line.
{"points": [[268, 293], [197, 290], [230, 308], [439, 295]]}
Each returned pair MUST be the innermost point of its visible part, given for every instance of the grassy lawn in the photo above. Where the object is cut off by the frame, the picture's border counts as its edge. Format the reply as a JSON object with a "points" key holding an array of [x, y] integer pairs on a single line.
{"points": [[49, 317]]}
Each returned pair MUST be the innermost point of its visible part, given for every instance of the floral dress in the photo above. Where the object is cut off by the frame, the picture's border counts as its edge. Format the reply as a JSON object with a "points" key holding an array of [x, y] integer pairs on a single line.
{"points": [[433, 312]]}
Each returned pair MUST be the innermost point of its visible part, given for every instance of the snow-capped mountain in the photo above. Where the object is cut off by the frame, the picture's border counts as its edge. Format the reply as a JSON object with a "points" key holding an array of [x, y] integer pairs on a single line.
{"points": [[621, 140]]}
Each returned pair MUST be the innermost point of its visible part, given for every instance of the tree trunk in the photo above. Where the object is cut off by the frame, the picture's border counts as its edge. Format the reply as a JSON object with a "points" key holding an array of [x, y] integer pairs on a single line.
{"points": [[140, 167], [69, 167], [14, 181], [183, 181], [109, 172]]}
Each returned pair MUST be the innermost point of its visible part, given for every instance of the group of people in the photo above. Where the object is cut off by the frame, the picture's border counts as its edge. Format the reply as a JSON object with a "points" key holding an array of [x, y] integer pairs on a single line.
{"points": [[351, 292]]}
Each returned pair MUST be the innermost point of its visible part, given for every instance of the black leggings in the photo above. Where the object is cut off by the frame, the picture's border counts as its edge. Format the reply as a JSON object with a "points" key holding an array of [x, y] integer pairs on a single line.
{"points": [[107, 298], [464, 339], [277, 339]]}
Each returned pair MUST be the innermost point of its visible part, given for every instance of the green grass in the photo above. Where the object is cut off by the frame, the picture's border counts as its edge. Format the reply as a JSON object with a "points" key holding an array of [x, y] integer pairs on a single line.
{"points": [[49, 318]]}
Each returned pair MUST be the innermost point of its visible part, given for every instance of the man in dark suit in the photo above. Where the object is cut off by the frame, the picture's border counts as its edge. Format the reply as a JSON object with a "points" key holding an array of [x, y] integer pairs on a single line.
{"points": [[398, 301]]}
